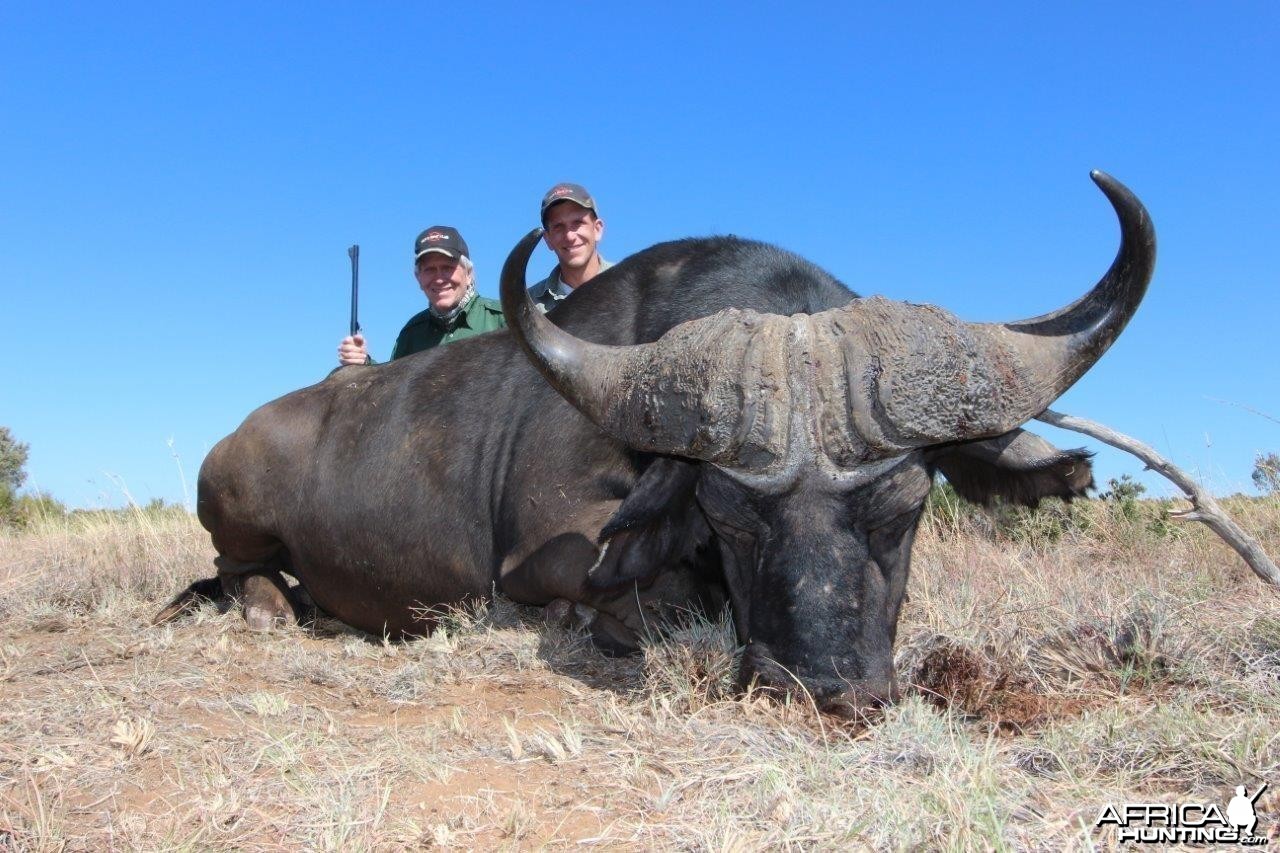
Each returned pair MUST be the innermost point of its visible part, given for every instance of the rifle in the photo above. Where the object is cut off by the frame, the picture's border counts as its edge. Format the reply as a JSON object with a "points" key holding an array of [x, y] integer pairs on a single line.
{"points": [[354, 254]]}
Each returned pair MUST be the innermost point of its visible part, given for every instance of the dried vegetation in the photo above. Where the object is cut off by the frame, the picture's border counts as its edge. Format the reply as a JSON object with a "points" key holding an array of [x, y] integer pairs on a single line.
{"points": [[1059, 661]]}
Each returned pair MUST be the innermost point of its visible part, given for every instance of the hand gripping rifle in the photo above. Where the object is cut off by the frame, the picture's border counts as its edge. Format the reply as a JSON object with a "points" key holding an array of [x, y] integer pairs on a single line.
{"points": [[354, 254]]}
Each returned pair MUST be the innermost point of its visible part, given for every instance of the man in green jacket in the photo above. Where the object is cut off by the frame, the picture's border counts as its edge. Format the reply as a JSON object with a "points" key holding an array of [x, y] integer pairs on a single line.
{"points": [[573, 229], [443, 268]]}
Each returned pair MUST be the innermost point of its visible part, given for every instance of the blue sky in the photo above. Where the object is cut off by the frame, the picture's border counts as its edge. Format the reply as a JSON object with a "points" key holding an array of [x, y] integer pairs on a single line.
{"points": [[181, 183]]}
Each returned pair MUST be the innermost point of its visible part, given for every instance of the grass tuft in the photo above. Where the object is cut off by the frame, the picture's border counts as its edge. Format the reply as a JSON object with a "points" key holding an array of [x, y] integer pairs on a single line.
{"points": [[1051, 663]]}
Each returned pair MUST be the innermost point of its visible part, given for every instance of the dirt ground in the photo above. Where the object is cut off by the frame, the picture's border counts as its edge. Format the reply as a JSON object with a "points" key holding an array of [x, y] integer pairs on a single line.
{"points": [[1035, 699]]}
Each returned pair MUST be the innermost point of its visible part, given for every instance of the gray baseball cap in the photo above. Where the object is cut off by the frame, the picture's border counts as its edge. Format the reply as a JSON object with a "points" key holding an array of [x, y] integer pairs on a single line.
{"points": [[575, 193]]}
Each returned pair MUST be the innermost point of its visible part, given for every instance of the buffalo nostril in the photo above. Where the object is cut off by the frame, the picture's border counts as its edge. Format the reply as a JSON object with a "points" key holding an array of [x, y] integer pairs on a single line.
{"points": [[876, 693], [840, 697], [845, 707], [861, 701], [761, 673]]}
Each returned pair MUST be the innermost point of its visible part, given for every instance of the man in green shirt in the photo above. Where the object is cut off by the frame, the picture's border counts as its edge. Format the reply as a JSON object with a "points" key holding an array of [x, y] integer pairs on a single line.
{"points": [[443, 268]]}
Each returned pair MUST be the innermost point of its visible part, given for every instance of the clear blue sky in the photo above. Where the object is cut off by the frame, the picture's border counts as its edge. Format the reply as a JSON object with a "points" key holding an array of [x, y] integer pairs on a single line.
{"points": [[180, 184]]}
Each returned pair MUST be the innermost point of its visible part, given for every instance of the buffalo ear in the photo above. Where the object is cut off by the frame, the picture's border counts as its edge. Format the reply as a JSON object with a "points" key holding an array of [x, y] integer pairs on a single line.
{"points": [[1018, 466], [657, 525]]}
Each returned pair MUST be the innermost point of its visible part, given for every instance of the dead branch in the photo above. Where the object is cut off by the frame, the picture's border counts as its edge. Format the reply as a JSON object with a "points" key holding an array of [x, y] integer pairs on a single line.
{"points": [[1203, 506]]}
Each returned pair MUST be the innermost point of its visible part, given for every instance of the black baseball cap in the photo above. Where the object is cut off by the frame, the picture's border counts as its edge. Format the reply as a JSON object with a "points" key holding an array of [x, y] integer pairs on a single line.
{"points": [[575, 193], [443, 239]]}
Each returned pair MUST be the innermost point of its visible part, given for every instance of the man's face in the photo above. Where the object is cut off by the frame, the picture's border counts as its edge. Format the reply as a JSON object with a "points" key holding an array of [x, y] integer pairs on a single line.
{"points": [[442, 279], [572, 233]]}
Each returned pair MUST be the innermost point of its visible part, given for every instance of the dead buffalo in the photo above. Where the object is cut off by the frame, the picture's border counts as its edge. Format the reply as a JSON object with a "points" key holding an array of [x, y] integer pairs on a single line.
{"points": [[739, 420]]}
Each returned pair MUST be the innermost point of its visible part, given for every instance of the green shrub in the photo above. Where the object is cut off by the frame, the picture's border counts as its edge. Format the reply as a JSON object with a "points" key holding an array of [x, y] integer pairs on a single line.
{"points": [[13, 461], [1123, 495], [1120, 515], [24, 510], [1266, 473]]}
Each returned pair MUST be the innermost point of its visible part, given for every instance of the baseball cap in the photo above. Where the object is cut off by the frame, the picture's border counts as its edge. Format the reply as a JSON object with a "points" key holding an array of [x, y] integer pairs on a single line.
{"points": [[443, 239], [575, 193]]}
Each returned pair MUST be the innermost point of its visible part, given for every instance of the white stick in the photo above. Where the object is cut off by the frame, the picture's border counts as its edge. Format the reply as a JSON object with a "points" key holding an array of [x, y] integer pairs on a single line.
{"points": [[1203, 507]]}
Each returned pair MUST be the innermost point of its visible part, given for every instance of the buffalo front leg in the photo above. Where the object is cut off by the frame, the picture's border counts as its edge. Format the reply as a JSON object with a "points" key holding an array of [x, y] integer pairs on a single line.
{"points": [[262, 591], [555, 574]]}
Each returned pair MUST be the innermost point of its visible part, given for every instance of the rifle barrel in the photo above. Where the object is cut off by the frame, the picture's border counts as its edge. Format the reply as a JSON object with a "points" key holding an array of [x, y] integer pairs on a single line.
{"points": [[354, 254]]}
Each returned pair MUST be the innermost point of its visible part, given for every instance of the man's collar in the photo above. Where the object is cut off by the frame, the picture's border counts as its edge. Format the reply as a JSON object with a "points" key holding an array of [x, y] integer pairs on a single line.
{"points": [[458, 315], [546, 285], [555, 285], [561, 288]]}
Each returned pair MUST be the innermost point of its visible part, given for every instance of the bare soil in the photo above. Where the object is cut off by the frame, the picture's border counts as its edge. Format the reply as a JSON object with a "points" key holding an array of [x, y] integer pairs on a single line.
{"points": [[1044, 681]]}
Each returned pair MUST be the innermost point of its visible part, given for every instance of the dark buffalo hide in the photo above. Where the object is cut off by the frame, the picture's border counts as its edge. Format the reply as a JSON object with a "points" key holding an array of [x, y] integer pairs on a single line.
{"points": [[708, 419]]}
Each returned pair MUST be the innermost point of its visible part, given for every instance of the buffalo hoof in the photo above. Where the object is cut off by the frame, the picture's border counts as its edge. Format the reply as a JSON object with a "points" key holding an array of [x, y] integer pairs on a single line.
{"points": [[266, 601], [262, 619], [583, 617], [611, 638], [565, 614], [557, 613]]}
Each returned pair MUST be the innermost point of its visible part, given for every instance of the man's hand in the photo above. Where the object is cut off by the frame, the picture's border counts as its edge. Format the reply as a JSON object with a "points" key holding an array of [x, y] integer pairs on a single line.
{"points": [[352, 351]]}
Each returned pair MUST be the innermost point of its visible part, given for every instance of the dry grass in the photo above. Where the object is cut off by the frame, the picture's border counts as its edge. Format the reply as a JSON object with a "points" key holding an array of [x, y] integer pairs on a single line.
{"points": [[1055, 673]]}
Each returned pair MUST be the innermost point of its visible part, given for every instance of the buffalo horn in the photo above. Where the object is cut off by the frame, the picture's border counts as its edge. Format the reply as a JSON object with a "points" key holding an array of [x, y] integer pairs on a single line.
{"points": [[890, 375], [682, 395], [915, 375]]}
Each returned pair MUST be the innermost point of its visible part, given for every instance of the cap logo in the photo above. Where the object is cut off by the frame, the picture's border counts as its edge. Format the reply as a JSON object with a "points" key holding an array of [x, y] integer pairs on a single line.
{"points": [[562, 191], [436, 235]]}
